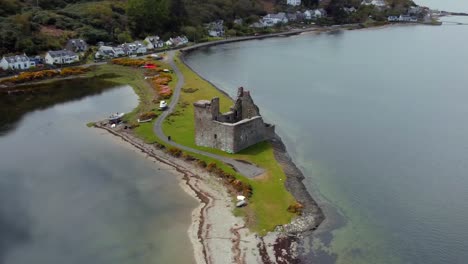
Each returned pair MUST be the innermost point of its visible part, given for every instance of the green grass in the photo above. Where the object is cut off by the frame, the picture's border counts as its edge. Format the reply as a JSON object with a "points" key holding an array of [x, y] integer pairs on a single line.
{"points": [[271, 199], [268, 205], [135, 78]]}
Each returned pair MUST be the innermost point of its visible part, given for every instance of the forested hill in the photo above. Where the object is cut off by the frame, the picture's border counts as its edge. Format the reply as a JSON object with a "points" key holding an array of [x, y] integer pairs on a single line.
{"points": [[32, 26], [36, 25]]}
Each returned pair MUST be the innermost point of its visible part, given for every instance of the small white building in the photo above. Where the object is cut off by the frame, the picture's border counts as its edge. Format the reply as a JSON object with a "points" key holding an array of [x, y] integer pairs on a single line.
{"points": [[273, 19], [216, 28], [177, 41], [17, 62], [377, 3], [76, 45], [314, 14], [136, 47], [154, 42], [294, 2], [61, 57], [109, 52]]}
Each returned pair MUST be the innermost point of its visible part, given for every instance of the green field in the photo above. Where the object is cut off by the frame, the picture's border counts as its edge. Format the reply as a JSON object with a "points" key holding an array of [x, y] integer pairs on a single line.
{"points": [[270, 200]]}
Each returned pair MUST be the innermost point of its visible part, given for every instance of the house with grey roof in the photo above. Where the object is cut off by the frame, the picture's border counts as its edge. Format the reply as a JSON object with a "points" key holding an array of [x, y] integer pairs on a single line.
{"points": [[76, 45], [17, 62], [136, 47], [154, 42], [273, 19], [54, 57], [216, 28]]}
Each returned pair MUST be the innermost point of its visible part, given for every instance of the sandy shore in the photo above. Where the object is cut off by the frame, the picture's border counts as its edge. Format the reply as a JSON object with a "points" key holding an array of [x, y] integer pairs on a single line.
{"points": [[216, 234]]}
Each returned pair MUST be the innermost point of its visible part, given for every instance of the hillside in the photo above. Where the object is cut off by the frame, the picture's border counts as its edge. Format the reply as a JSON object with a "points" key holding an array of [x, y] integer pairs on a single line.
{"points": [[24, 26], [34, 26]]}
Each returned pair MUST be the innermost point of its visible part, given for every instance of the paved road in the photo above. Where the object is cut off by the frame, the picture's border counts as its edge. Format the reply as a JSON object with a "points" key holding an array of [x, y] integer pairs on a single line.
{"points": [[248, 170]]}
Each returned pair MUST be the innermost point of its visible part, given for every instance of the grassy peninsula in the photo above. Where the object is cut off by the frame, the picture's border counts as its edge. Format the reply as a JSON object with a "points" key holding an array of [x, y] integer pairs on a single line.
{"points": [[270, 201]]}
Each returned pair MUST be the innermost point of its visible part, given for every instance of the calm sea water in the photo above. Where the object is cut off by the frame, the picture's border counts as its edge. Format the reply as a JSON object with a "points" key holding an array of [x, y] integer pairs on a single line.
{"points": [[71, 195], [377, 119]]}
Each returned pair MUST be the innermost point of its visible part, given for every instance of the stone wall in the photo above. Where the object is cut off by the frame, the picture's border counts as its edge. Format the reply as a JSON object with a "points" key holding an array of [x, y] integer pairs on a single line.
{"points": [[251, 131], [232, 131]]}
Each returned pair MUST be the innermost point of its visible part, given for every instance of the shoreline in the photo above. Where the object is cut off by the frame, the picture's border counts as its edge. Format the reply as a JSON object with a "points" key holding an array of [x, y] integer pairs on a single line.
{"points": [[215, 232]]}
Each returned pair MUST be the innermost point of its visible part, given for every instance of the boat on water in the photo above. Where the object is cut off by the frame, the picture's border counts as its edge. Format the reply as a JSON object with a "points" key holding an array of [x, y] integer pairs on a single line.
{"points": [[162, 105], [114, 118]]}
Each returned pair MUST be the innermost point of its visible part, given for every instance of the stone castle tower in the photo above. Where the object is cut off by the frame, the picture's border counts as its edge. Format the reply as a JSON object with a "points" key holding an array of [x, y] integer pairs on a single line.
{"points": [[233, 131]]}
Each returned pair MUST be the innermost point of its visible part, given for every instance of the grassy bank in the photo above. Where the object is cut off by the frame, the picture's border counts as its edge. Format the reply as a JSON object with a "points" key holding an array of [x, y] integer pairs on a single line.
{"points": [[135, 78], [270, 199]]}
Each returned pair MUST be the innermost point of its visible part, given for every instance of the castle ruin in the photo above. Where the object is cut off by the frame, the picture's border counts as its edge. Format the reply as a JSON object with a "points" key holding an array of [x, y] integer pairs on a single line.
{"points": [[233, 131]]}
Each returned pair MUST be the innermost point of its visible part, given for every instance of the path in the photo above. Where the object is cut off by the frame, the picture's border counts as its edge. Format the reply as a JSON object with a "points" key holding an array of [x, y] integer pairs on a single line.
{"points": [[246, 169]]}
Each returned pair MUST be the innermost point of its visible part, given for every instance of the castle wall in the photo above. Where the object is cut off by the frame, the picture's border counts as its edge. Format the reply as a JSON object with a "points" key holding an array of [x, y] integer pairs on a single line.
{"points": [[251, 131], [232, 131], [210, 133]]}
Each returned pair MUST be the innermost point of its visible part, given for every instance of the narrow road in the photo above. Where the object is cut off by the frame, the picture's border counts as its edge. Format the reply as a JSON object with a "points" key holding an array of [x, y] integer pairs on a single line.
{"points": [[244, 168]]}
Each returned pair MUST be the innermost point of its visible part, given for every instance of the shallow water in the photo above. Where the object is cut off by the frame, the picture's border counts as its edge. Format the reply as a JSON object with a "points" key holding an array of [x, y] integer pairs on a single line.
{"points": [[71, 195], [377, 120]]}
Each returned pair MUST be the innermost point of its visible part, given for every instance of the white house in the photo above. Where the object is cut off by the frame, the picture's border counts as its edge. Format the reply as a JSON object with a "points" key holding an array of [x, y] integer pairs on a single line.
{"points": [[177, 41], [153, 42], [349, 10], [136, 47], [76, 45], [314, 14], [216, 28], [17, 62], [273, 19], [109, 52], [402, 18], [378, 3], [294, 2], [61, 57]]}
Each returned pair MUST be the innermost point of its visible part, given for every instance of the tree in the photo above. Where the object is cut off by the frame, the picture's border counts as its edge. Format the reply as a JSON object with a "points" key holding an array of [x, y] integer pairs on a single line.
{"points": [[124, 37], [148, 16], [178, 14]]}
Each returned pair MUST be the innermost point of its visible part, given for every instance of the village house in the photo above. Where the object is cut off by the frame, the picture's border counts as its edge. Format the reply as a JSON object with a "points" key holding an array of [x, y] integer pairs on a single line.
{"points": [[293, 2], [233, 131], [314, 14], [136, 47], [350, 10], [17, 62], [238, 21], [292, 17], [377, 3], [105, 52], [61, 57], [216, 28], [177, 41], [153, 42], [76, 45], [402, 18], [272, 19]]}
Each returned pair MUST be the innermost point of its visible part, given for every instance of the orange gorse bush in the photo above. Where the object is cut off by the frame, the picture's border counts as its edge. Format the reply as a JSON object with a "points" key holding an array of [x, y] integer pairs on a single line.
{"points": [[73, 71], [131, 62], [45, 74], [161, 84]]}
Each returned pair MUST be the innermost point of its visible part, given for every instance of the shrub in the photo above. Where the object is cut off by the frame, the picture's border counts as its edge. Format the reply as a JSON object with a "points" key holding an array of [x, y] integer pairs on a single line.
{"points": [[131, 62], [201, 163], [161, 84], [189, 90], [148, 115], [187, 157], [73, 71], [175, 152], [160, 146], [296, 208], [211, 167]]}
